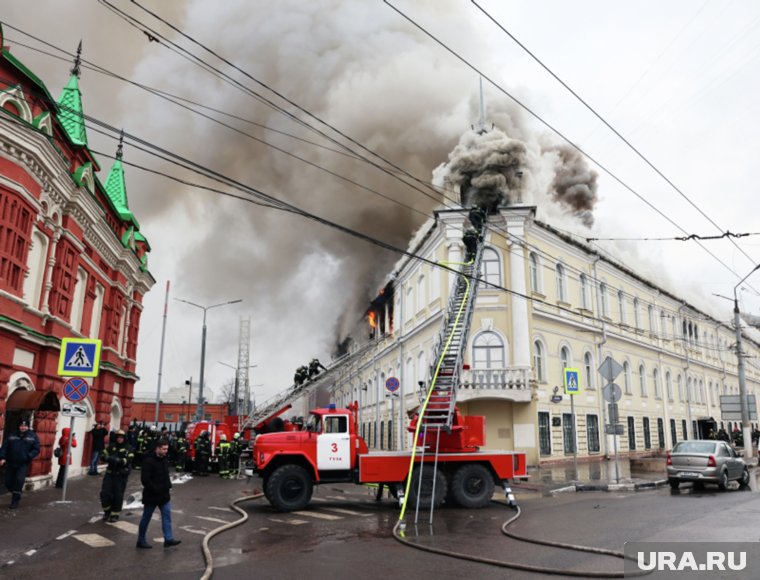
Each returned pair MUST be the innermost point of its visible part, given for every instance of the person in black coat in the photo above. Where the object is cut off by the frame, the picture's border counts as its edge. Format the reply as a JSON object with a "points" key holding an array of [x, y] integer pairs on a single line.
{"points": [[18, 451], [98, 434], [156, 493]]}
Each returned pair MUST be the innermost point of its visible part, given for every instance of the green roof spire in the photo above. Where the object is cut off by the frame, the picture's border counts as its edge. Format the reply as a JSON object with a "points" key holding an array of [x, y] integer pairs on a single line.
{"points": [[116, 186], [71, 114]]}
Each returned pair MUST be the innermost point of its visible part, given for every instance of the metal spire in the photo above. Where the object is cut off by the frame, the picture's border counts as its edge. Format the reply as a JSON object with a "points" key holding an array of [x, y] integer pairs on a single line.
{"points": [[119, 149], [480, 128], [77, 61]]}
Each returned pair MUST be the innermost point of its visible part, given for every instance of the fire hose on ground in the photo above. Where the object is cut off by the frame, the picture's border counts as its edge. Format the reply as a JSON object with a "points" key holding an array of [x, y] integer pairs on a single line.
{"points": [[244, 518], [399, 535]]}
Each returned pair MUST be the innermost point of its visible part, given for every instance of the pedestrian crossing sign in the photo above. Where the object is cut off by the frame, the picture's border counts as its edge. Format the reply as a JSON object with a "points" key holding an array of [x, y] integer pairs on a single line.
{"points": [[80, 357], [572, 382]]}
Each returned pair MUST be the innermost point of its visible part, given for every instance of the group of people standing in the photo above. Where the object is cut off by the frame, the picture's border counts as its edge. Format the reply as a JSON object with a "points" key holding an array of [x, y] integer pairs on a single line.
{"points": [[227, 454]]}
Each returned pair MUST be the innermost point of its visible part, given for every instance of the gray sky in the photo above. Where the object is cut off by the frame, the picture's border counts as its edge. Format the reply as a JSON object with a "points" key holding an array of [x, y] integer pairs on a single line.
{"points": [[679, 80]]}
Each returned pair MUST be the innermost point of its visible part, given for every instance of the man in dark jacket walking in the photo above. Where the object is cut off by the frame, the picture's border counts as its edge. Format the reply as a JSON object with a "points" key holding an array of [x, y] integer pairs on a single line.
{"points": [[156, 485], [18, 451], [98, 433]]}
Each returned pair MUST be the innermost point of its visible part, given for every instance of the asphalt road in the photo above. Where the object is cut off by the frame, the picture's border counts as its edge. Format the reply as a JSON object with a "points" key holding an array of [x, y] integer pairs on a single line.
{"points": [[345, 533]]}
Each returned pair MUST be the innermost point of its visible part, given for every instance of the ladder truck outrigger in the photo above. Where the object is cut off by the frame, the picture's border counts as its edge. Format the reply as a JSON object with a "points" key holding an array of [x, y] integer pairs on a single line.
{"points": [[446, 461]]}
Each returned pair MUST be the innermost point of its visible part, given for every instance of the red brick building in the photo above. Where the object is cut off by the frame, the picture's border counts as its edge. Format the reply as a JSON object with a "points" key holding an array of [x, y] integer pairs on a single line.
{"points": [[73, 263], [172, 413]]}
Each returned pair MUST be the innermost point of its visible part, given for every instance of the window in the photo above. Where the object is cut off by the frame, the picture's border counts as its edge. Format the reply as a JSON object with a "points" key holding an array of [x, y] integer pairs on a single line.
{"points": [[36, 263], [544, 433], [673, 433], [16, 219], [669, 385], [656, 381], [627, 377], [564, 360], [538, 361], [421, 292], [534, 272], [636, 313], [337, 424], [168, 416], [435, 284], [680, 388], [684, 429], [660, 433], [78, 301], [643, 380], [621, 306], [422, 370], [647, 435], [97, 311], [409, 303], [652, 324], [561, 283], [588, 372], [488, 351], [568, 433], [491, 268], [390, 433], [605, 305], [585, 300], [382, 439], [631, 434], [592, 433]]}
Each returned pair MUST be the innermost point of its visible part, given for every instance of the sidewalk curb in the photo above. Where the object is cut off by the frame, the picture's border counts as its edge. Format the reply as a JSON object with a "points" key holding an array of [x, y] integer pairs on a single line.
{"points": [[626, 486]]}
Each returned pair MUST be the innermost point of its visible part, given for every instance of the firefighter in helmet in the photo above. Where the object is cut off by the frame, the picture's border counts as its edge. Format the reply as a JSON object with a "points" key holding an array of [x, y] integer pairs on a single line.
{"points": [[302, 375], [477, 218], [470, 240], [223, 452], [202, 447], [314, 368], [180, 452], [236, 450], [118, 456]]}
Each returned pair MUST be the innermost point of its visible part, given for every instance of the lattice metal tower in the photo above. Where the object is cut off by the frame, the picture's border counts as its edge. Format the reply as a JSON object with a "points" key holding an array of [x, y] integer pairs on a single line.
{"points": [[244, 358]]}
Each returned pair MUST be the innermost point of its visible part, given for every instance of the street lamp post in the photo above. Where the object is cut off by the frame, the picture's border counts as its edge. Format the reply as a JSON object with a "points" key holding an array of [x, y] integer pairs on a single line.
{"points": [[746, 432], [199, 410]]}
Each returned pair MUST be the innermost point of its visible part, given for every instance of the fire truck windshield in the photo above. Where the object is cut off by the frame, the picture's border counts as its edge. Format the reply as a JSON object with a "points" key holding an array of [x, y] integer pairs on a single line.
{"points": [[314, 424]]}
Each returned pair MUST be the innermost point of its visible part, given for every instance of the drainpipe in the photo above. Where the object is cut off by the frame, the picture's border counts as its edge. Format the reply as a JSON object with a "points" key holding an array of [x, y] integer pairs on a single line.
{"points": [[600, 344]]}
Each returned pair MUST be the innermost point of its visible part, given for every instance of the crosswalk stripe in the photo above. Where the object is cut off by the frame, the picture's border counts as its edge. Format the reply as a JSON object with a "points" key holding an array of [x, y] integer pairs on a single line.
{"points": [[194, 530], [212, 519], [292, 521], [66, 535], [126, 527], [318, 515], [94, 540], [345, 511]]}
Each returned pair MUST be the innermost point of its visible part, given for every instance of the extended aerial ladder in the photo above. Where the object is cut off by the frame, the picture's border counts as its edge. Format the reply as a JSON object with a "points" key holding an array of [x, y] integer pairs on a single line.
{"points": [[282, 401]]}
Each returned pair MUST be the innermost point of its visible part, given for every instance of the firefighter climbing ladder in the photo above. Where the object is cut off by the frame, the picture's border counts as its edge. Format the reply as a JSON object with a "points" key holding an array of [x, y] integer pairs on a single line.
{"points": [[276, 403], [438, 403]]}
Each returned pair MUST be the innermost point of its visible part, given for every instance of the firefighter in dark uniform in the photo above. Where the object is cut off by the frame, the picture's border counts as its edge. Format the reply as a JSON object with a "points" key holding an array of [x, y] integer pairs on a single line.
{"points": [[118, 456], [314, 367], [223, 453], [202, 447], [470, 240], [302, 374], [180, 452], [477, 218], [142, 445], [236, 450]]}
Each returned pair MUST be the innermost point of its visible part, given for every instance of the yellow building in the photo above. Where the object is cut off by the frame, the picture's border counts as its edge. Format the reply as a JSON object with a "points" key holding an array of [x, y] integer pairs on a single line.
{"points": [[547, 302]]}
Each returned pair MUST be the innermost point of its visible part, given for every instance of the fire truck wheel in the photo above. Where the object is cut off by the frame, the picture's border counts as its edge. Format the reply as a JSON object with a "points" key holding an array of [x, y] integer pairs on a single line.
{"points": [[289, 488], [472, 486], [426, 496]]}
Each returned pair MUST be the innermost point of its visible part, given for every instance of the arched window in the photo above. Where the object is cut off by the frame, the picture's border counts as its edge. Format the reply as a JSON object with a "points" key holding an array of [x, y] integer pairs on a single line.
{"points": [[422, 370], [588, 370], [97, 311], [605, 304], [669, 385], [409, 310], [78, 302], [409, 371], [435, 284], [656, 381], [488, 351], [650, 314], [636, 313], [621, 306], [561, 283], [679, 380], [534, 272], [643, 380], [564, 359], [627, 377], [491, 268], [421, 292], [36, 261], [538, 361], [585, 299]]}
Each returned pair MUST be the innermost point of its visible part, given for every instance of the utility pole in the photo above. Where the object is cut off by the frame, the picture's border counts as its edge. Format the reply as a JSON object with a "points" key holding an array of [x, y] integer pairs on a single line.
{"points": [[161, 355], [746, 431]]}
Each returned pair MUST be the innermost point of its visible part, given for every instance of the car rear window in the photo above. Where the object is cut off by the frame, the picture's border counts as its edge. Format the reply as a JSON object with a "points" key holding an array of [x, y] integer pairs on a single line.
{"points": [[694, 447]]}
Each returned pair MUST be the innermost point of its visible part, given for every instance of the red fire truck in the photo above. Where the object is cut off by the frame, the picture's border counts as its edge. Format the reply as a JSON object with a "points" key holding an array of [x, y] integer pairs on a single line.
{"points": [[330, 450]]}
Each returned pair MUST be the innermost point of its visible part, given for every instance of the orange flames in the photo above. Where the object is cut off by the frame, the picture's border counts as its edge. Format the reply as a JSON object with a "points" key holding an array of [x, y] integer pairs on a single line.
{"points": [[372, 318]]}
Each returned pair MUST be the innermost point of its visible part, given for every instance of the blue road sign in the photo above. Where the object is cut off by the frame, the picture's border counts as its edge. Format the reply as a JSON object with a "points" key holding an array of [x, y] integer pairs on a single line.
{"points": [[392, 384], [75, 389], [80, 357], [572, 382]]}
